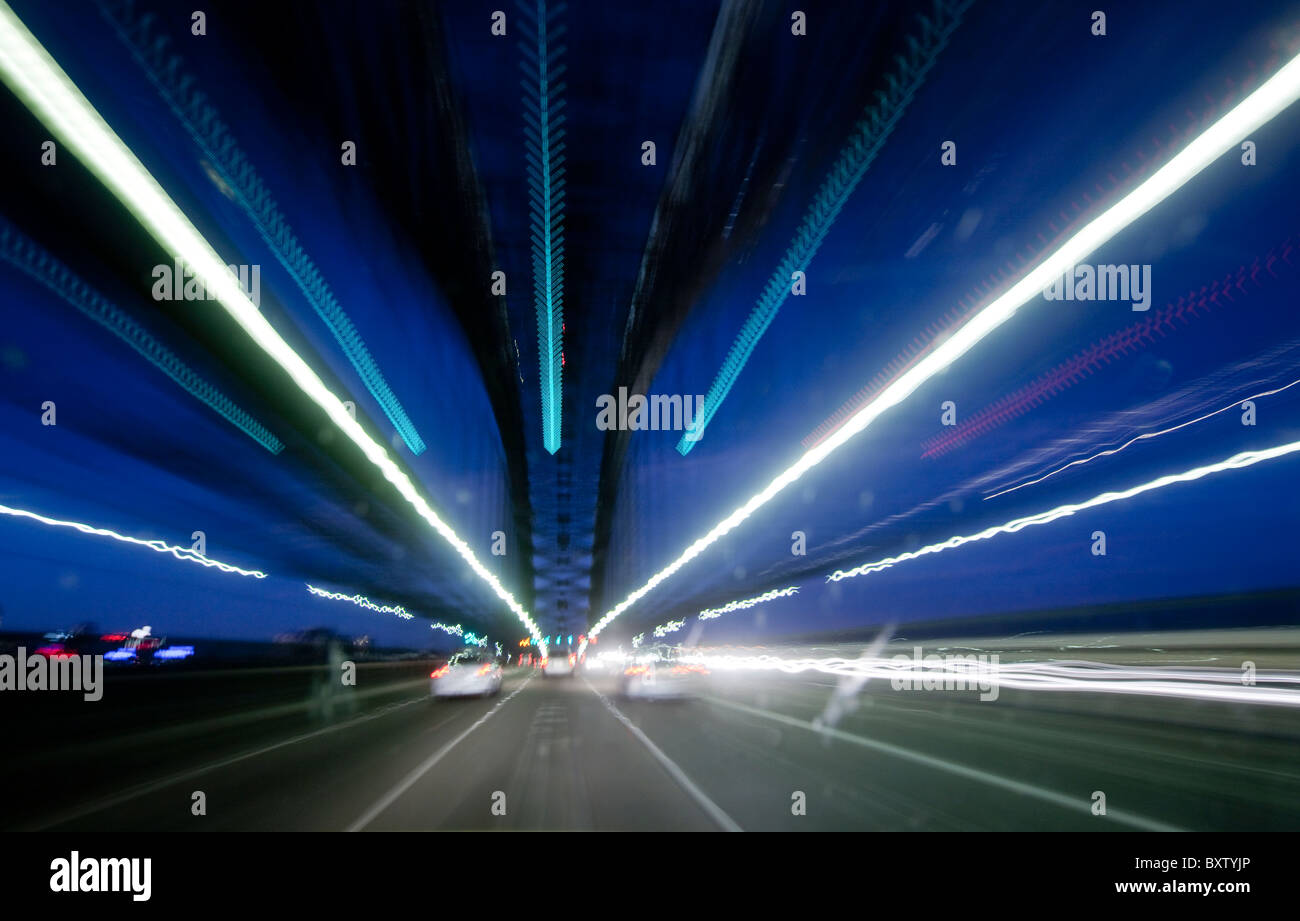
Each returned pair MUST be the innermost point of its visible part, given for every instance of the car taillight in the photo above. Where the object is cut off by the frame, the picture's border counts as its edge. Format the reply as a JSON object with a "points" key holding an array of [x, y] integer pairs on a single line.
{"points": [[544, 661], [485, 669], [439, 673], [573, 659]]}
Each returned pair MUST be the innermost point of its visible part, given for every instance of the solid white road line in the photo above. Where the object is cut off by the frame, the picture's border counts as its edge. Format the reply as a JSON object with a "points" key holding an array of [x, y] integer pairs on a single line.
{"points": [[412, 778], [1072, 803], [713, 809]]}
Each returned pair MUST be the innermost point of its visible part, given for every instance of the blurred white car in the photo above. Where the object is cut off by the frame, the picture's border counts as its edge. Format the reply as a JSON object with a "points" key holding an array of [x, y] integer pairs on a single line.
{"points": [[467, 674], [659, 673], [559, 665]]}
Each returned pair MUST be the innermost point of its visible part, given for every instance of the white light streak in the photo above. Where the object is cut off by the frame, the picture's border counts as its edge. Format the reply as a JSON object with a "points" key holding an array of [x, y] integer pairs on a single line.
{"points": [[1222, 684], [1146, 436], [1274, 95], [711, 613], [470, 638], [363, 601], [36, 78], [158, 546], [1236, 462]]}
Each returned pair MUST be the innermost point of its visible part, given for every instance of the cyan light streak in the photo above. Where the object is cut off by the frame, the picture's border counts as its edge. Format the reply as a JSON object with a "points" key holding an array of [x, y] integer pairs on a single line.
{"points": [[862, 148], [1236, 462], [543, 127], [158, 546], [204, 124], [21, 252]]}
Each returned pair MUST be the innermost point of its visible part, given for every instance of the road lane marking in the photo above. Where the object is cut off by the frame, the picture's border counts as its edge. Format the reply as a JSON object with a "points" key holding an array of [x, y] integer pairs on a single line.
{"points": [[713, 809], [1006, 783], [155, 785], [429, 763]]}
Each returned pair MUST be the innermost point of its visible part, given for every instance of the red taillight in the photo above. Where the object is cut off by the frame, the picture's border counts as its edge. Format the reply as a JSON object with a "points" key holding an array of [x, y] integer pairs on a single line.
{"points": [[636, 670], [544, 661], [439, 673], [573, 659], [485, 669]]}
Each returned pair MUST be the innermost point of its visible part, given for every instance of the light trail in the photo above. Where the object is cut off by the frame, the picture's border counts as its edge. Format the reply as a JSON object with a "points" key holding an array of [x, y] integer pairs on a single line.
{"points": [[859, 152], [36, 79], [961, 673], [364, 602], [1236, 462], [711, 613], [1146, 436], [39, 264], [139, 31], [671, 627], [1258, 108], [544, 129], [158, 546], [470, 638]]}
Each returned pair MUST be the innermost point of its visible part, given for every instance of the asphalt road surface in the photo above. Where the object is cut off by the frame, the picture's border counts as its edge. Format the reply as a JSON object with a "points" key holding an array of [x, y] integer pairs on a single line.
{"points": [[746, 754]]}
